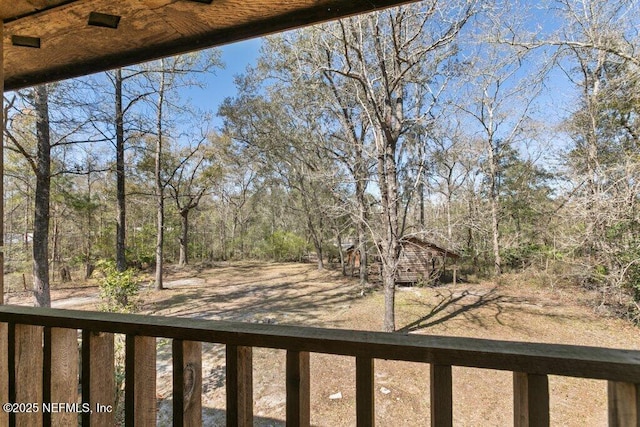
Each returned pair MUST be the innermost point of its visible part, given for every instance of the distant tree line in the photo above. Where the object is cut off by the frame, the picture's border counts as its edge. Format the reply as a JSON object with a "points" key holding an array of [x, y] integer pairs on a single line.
{"points": [[505, 132]]}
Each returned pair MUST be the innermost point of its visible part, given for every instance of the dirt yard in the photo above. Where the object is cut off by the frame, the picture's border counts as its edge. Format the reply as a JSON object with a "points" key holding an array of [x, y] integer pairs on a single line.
{"points": [[298, 294]]}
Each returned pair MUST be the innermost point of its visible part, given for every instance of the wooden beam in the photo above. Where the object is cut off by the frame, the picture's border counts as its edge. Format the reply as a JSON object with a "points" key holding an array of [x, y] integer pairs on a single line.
{"points": [[140, 381], [298, 389], [552, 359], [365, 399], [441, 396], [4, 371], [2, 164], [187, 383], [624, 404], [98, 378], [4, 327], [239, 386], [530, 400]]}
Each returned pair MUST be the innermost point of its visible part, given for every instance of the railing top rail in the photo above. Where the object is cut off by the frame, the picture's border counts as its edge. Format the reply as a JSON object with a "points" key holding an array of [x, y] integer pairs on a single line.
{"points": [[535, 358]]}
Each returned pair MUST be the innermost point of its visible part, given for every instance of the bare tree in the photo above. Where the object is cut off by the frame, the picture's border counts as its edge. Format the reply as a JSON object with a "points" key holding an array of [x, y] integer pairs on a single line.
{"points": [[499, 101], [164, 77], [393, 57], [195, 174]]}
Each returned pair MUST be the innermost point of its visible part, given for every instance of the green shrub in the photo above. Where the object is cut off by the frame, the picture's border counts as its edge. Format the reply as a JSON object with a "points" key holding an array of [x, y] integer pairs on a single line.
{"points": [[118, 290], [284, 246]]}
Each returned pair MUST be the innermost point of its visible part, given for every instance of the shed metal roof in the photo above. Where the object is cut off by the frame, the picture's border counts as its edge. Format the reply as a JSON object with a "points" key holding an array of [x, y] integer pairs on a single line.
{"points": [[48, 40]]}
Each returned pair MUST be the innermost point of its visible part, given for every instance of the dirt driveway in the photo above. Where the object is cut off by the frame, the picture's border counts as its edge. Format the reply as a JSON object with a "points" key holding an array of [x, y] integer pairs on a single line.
{"points": [[299, 294]]}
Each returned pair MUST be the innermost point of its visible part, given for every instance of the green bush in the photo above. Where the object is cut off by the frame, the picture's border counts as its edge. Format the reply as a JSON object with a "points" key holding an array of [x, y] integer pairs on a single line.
{"points": [[284, 246], [118, 290]]}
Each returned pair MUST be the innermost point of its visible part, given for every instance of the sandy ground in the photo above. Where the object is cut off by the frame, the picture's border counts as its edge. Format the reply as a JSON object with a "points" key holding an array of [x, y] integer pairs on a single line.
{"points": [[299, 294]]}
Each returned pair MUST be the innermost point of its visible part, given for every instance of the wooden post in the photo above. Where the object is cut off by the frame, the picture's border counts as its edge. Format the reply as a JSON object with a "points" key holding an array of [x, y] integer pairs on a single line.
{"points": [[140, 381], [27, 367], [441, 396], [187, 383], [60, 374], [239, 386], [365, 399], [98, 378], [530, 400], [4, 369], [2, 164], [624, 404], [298, 389]]}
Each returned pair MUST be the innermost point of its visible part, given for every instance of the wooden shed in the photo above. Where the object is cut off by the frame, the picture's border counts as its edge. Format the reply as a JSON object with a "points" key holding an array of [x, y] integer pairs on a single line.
{"points": [[420, 261]]}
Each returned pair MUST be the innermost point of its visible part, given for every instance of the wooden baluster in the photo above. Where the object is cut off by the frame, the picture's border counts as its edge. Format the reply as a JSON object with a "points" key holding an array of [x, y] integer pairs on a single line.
{"points": [[624, 404], [98, 378], [27, 370], [441, 396], [60, 374], [187, 383], [530, 400], [365, 402], [140, 381], [239, 386], [298, 389], [4, 364]]}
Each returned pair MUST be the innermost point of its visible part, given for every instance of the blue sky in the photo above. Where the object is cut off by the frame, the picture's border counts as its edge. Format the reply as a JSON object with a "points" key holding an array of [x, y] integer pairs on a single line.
{"points": [[220, 85]]}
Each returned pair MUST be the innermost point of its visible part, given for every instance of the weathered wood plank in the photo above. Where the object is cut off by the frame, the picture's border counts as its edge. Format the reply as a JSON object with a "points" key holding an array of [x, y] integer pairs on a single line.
{"points": [[298, 389], [553, 359], [2, 168], [24, 7], [187, 383], [365, 400], [4, 328], [4, 370], [140, 381], [624, 404], [530, 400], [98, 377], [239, 386], [441, 396], [61, 374], [28, 366]]}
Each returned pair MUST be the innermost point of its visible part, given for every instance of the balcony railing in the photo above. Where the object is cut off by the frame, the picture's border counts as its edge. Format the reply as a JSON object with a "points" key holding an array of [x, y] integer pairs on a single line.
{"points": [[36, 340]]}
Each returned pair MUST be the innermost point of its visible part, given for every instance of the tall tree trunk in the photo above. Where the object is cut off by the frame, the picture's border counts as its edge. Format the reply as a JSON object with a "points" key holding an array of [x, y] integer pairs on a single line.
{"points": [[343, 266], [184, 236], [316, 237], [41, 290], [390, 250], [361, 222], [159, 187], [421, 206], [55, 247], [360, 175], [121, 260], [494, 170], [88, 271]]}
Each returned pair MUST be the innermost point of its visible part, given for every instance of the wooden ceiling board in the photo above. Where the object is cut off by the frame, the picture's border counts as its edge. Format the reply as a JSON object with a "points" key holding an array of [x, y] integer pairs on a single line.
{"points": [[12, 9], [148, 29]]}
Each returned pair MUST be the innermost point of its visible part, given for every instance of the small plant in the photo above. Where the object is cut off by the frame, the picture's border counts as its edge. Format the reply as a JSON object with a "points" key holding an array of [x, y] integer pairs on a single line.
{"points": [[118, 290]]}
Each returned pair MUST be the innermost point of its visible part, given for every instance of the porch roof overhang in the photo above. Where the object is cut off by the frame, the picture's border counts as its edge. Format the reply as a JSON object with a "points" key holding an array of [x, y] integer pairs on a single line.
{"points": [[49, 40]]}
